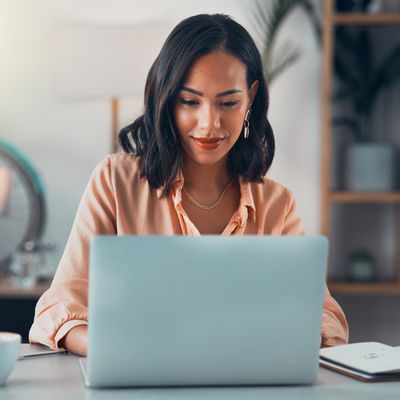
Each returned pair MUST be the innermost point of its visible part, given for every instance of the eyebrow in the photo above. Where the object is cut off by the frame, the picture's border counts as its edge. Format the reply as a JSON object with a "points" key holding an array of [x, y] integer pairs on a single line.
{"points": [[196, 92]]}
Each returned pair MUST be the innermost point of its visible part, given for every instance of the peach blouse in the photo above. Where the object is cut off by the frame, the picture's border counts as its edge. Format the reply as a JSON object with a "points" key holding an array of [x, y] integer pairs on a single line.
{"points": [[117, 201]]}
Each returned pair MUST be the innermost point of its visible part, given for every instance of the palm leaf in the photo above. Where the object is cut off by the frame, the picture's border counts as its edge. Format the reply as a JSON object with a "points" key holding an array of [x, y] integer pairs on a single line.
{"points": [[268, 17], [386, 74], [310, 10], [364, 54], [346, 58], [344, 73], [389, 71], [344, 93], [282, 61], [351, 124]]}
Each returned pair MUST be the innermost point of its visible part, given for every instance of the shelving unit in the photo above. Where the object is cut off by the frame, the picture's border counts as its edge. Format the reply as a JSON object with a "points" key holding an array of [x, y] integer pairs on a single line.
{"points": [[363, 19], [330, 197], [356, 197], [8, 291]]}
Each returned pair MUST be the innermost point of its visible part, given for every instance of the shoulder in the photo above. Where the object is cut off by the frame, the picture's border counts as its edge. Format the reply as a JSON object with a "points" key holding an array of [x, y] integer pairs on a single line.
{"points": [[119, 167], [120, 162], [276, 207], [118, 173], [272, 192]]}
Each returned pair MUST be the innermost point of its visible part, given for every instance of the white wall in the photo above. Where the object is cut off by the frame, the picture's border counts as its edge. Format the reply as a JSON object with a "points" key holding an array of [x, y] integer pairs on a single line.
{"points": [[65, 139]]}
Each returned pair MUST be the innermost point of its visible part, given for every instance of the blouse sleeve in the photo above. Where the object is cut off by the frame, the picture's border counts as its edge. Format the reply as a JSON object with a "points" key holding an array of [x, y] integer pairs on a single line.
{"points": [[64, 305], [335, 330]]}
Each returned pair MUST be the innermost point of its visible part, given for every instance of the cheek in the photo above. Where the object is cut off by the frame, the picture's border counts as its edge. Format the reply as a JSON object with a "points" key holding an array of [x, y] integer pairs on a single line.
{"points": [[235, 123], [184, 121]]}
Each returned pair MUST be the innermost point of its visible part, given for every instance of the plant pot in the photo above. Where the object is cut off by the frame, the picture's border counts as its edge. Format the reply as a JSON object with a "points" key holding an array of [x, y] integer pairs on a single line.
{"points": [[370, 167]]}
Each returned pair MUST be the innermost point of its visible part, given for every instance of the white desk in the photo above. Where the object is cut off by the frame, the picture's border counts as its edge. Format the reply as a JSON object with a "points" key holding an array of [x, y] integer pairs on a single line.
{"points": [[58, 377]]}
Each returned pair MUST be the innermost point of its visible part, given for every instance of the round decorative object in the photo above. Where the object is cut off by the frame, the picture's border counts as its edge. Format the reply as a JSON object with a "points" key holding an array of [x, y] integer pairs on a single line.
{"points": [[22, 203]]}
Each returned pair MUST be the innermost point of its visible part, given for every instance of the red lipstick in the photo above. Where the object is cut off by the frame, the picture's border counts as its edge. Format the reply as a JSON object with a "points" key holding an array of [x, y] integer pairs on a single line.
{"points": [[208, 144]]}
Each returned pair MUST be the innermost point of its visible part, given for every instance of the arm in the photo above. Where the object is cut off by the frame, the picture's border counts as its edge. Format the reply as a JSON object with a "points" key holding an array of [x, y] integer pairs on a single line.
{"points": [[75, 340], [63, 307], [335, 330]]}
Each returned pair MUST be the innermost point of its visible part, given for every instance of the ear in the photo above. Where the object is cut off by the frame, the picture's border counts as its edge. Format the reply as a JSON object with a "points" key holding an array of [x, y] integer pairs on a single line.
{"points": [[253, 92]]}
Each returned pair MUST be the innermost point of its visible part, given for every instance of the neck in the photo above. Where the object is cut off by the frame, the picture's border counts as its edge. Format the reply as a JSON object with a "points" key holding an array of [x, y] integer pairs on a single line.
{"points": [[205, 178]]}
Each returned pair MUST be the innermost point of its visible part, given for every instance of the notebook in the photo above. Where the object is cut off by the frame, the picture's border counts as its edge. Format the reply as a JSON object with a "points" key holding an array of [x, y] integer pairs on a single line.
{"points": [[208, 310], [369, 361], [37, 350]]}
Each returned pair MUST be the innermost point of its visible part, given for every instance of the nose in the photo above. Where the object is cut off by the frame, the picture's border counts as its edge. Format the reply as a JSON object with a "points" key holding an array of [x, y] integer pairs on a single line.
{"points": [[209, 119]]}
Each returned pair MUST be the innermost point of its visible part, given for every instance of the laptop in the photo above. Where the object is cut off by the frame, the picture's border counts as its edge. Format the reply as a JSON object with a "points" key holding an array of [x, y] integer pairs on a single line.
{"points": [[207, 310]]}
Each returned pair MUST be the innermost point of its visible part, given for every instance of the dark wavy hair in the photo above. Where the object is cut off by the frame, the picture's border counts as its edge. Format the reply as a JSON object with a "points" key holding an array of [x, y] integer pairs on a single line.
{"points": [[154, 137]]}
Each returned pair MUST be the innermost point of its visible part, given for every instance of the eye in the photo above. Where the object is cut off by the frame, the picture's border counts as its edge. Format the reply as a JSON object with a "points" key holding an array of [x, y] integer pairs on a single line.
{"points": [[229, 103], [189, 102]]}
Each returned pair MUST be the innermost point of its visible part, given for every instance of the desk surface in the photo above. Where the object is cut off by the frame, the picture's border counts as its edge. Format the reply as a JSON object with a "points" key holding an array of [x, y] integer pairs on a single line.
{"points": [[59, 377]]}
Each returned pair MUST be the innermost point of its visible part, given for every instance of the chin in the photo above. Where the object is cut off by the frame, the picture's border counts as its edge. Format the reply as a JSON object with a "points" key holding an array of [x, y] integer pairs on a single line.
{"points": [[206, 159]]}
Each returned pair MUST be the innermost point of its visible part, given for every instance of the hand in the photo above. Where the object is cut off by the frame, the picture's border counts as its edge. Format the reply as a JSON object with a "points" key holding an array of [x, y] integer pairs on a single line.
{"points": [[75, 340]]}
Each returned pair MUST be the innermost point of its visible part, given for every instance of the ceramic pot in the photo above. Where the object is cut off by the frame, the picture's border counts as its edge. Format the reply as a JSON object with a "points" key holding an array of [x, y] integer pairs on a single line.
{"points": [[370, 167]]}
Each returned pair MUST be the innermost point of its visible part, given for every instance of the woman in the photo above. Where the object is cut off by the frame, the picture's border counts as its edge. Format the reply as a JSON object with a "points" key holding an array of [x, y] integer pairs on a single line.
{"points": [[194, 163]]}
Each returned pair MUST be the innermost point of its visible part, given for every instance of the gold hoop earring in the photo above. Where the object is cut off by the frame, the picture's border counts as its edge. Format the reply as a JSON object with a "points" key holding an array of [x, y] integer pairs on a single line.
{"points": [[246, 124]]}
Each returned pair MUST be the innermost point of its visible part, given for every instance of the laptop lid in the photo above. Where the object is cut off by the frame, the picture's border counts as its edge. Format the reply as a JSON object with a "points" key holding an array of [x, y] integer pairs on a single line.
{"points": [[209, 310]]}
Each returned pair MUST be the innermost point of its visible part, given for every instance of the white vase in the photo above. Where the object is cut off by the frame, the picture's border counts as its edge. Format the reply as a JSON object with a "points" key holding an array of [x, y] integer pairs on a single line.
{"points": [[370, 167]]}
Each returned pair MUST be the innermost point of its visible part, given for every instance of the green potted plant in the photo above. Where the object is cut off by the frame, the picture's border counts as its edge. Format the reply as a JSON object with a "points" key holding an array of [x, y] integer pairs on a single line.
{"points": [[268, 17], [369, 165]]}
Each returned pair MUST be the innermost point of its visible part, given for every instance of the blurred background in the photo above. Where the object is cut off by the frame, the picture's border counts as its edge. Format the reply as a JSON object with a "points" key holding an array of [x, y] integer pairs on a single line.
{"points": [[73, 72]]}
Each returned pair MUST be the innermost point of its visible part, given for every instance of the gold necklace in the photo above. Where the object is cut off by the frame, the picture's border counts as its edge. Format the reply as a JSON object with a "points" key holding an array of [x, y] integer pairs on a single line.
{"points": [[207, 206]]}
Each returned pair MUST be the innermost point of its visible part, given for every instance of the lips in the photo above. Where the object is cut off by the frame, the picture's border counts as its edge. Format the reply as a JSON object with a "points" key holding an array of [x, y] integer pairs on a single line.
{"points": [[208, 144]]}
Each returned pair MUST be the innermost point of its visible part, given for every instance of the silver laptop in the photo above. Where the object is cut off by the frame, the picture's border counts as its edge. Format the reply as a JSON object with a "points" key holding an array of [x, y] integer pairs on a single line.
{"points": [[209, 310]]}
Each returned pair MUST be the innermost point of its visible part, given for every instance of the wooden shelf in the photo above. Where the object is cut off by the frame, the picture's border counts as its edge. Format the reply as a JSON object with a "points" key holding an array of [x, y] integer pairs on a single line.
{"points": [[364, 197], [378, 288], [8, 291], [330, 196], [365, 19]]}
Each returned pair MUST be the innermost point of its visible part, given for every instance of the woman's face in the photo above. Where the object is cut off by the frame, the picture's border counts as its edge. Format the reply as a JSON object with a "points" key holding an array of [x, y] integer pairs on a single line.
{"points": [[211, 106]]}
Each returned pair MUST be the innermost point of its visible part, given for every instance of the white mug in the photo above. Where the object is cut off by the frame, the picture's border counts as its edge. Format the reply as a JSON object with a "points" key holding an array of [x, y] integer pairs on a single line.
{"points": [[9, 351]]}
